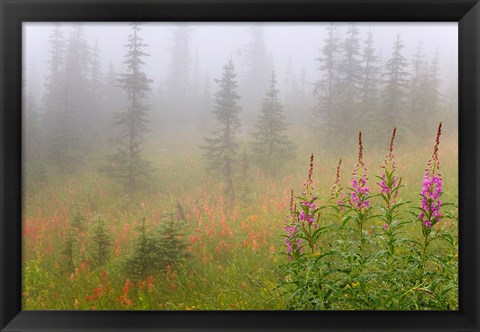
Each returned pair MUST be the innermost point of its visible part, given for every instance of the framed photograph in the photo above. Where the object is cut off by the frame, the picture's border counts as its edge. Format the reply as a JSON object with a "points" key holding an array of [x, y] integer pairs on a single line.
{"points": [[240, 165]]}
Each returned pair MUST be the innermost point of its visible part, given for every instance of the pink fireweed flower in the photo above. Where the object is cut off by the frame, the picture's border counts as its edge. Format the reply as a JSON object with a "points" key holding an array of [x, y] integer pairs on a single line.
{"points": [[291, 242], [431, 191], [360, 191], [432, 188], [309, 205], [306, 217]]}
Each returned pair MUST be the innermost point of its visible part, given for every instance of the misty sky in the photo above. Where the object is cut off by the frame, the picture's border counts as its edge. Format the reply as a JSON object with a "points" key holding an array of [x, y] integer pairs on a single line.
{"points": [[216, 42]]}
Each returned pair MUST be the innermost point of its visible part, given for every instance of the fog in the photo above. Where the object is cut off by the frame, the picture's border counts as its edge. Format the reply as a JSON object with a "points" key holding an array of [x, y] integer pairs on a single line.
{"points": [[214, 43], [82, 81]]}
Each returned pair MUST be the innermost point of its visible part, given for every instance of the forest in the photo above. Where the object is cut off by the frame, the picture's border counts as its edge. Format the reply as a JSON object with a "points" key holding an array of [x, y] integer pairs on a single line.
{"points": [[247, 166]]}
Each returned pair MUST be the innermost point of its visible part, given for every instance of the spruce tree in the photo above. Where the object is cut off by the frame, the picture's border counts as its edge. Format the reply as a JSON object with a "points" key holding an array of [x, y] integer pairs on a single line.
{"points": [[32, 162], [146, 256], [326, 88], [171, 236], [394, 98], [97, 116], [177, 84], [256, 71], [417, 97], [127, 164], [221, 149], [346, 115], [68, 260], [369, 93], [432, 95], [102, 242], [59, 118], [78, 96], [271, 146]]}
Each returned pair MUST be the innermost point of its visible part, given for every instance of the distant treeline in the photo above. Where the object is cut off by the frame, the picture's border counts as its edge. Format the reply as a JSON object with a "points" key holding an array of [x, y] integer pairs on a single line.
{"points": [[84, 107]]}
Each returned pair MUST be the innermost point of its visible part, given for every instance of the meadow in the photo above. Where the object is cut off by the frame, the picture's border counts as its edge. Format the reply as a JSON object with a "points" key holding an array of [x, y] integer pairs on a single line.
{"points": [[235, 254]]}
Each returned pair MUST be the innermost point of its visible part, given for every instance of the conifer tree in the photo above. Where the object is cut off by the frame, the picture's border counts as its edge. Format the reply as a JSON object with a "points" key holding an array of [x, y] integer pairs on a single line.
{"points": [[271, 146], [102, 242], [78, 221], [394, 98], [59, 118], [33, 163], [417, 100], [326, 88], [68, 251], [369, 92], [221, 149], [56, 63], [78, 96], [256, 71], [127, 164], [432, 95], [97, 116], [146, 256], [171, 237], [346, 115], [177, 85]]}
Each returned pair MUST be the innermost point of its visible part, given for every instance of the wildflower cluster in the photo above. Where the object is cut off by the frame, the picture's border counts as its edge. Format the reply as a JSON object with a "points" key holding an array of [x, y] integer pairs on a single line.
{"points": [[360, 255], [302, 224]]}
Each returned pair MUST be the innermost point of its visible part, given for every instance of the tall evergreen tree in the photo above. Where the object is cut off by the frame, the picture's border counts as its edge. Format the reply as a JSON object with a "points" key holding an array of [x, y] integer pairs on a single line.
{"points": [[369, 92], [97, 91], [417, 100], [127, 163], [271, 145], [346, 116], [256, 71], [394, 98], [326, 88], [56, 63], [179, 73], [222, 148], [32, 160], [79, 96], [61, 108], [432, 95]]}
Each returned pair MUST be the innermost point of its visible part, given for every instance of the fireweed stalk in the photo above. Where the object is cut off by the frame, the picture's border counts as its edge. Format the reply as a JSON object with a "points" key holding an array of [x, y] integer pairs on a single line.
{"points": [[389, 184], [360, 197], [432, 189], [337, 204], [337, 195], [307, 219], [304, 223], [292, 242]]}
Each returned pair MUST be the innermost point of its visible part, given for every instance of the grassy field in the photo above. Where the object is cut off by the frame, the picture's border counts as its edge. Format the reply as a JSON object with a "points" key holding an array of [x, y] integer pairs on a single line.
{"points": [[235, 250]]}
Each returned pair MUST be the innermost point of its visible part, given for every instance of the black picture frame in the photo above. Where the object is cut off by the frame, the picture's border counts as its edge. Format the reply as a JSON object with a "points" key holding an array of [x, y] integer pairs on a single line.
{"points": [[14, 12]]}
